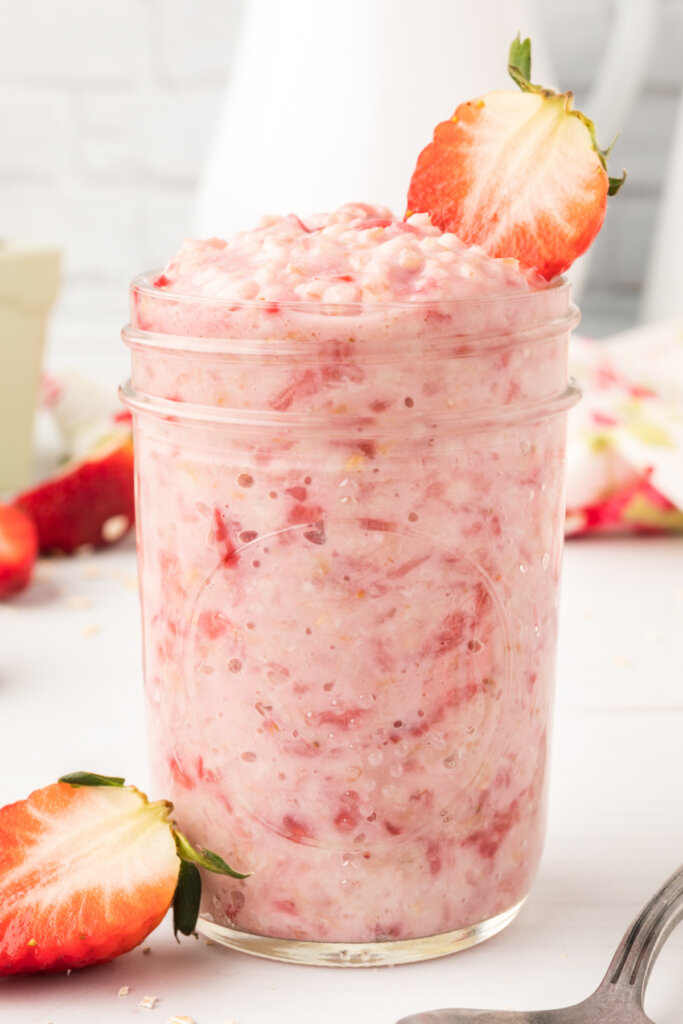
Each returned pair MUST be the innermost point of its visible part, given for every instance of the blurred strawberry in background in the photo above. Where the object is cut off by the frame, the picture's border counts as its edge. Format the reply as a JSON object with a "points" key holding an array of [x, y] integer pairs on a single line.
{"points": [[18, 549], [88, 500]]}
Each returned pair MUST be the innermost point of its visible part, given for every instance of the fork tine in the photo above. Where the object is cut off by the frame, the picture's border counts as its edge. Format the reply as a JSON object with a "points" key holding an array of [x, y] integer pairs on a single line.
{"points": [[633, 961], [619, 997]]}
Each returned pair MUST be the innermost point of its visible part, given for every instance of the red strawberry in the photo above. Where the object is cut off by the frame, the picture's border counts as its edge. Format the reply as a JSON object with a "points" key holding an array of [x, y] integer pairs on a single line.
{"points": [[18, 549], [90, 500], [88, 868], [520, 174]]}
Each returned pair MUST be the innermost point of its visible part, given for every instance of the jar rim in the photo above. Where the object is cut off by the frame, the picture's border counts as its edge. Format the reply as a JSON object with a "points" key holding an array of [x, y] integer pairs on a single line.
{"points": [[447, 346]]}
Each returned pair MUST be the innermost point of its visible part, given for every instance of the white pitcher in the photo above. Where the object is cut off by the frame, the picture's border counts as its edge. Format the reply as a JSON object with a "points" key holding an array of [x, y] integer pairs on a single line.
{"points": [[663, 292], [331, 100]]}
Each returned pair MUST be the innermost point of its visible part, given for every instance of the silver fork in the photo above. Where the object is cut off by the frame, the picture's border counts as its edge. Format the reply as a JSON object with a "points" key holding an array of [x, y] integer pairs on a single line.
{"points": [[619, 997]]}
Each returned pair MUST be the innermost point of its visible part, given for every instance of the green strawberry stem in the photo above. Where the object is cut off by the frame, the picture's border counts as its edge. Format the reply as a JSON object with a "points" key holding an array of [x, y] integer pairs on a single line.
{"points": [[519, 69], [205, 858], [519, 65], [188, 890], [77, 779], [186, 899]]}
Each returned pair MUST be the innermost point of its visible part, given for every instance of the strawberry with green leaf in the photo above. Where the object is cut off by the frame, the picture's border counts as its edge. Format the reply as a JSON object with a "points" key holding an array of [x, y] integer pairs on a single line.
{"points": [[519, 174], [88, 867]]}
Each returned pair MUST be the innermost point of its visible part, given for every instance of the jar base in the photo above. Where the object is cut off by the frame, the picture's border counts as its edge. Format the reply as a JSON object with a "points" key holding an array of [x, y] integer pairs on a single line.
{"points": [[357, 954]]}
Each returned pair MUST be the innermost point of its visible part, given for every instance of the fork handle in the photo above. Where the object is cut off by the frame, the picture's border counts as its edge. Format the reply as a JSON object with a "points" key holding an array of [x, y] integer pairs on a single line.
{"points": [[633, 961]]}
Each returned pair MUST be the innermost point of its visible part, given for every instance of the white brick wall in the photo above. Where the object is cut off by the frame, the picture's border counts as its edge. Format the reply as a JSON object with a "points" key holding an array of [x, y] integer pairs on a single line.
{"points": [[72, 42], [106, 107], [194, 39], [35, 121]]}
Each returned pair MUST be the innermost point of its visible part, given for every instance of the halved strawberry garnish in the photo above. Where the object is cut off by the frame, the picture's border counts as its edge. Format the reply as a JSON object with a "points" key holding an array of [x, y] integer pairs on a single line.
{"points": [[519, 174], [88, 867], [18, 549], [90, 500]]}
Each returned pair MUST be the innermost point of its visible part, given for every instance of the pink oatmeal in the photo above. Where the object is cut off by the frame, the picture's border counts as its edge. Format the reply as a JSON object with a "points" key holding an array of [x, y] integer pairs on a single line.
{"points": [[350, 453], [360, 253]]}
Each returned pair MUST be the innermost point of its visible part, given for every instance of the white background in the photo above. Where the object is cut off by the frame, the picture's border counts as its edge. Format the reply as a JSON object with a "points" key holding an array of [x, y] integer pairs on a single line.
{"points": [[106, 108]]}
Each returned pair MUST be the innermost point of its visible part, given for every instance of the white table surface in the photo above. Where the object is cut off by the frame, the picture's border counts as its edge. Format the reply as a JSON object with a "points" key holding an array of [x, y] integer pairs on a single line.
{"points": [[71, 698]]}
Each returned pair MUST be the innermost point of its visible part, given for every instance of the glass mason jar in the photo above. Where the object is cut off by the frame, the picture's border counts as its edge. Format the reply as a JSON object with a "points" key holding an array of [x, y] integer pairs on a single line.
{"points": [[350, 526]]}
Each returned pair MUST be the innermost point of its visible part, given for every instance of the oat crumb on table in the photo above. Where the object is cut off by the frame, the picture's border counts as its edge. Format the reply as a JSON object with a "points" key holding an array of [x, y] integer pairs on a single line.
{"points": [[91, 572], [128, 579], [149, 1002], [123, 991], [180, 1019]]}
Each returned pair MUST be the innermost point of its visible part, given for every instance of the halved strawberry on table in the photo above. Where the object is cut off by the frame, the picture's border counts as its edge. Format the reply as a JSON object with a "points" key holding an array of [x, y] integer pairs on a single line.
{"points": [[88, 867], [18, 549], [89, 501], [519, 174]]}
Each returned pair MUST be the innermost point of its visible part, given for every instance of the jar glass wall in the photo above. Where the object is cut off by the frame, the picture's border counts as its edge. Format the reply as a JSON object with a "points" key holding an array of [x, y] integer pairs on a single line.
{"points": [[350, 526]]}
